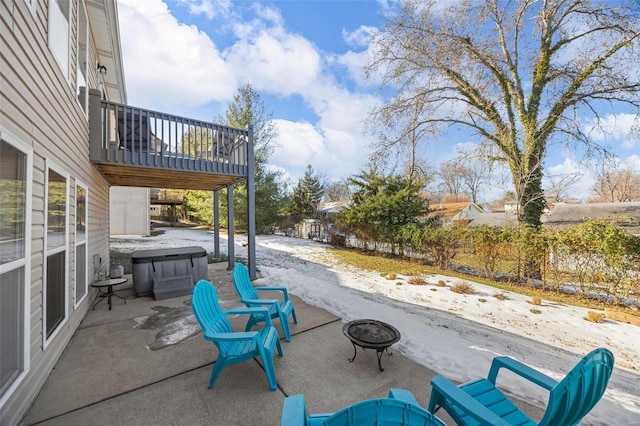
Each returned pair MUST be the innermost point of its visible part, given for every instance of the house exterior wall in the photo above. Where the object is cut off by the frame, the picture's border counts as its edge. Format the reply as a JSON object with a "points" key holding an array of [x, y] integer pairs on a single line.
{"points": [[39, 108], [129, 211]]}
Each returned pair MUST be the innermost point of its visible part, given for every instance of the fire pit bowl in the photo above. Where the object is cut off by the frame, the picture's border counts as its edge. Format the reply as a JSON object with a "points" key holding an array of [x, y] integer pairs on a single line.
{"points": [[371, 334]]}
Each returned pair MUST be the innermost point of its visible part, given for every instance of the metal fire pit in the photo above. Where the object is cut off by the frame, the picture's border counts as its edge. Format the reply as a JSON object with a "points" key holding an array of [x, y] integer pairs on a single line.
{"points": [[371, 334]]}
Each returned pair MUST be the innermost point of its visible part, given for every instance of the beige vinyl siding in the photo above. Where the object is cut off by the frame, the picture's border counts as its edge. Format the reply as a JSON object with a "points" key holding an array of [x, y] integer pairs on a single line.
{"points": [[39, 106]]}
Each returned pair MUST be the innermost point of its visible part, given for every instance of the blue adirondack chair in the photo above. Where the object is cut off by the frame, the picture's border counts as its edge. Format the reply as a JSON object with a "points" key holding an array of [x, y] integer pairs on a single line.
{"points": [[234, 347], [479, 402], [282, 309], [400, 408]]}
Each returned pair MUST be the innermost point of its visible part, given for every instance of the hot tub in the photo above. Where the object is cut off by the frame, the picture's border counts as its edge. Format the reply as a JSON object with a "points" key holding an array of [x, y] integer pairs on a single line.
{"points": [[170, 272]]}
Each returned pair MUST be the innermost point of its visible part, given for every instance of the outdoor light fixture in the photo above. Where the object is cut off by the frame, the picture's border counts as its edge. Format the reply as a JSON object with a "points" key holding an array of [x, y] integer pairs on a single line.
{"points": [[102, 69]]}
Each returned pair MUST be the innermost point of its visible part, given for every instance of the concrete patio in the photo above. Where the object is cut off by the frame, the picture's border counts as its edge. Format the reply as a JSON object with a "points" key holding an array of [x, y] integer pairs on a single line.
{"points": [[145, 362]]}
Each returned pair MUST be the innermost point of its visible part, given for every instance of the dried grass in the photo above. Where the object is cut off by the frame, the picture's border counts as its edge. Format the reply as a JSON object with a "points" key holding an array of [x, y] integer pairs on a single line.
{"points": [[441, 283], [416, 280], [391, 276], [501, 296], [535, 300], [462, 287], [595, 317]]}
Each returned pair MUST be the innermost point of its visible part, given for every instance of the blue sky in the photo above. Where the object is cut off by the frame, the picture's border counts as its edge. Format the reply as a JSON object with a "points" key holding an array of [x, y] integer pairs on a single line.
{"points": [[305, 58]]}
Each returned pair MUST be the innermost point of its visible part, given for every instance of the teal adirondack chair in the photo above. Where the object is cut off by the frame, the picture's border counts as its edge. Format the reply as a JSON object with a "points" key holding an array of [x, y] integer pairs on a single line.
{"points": [[479, 402], [282, 309], [400, 408], [234, 347]]}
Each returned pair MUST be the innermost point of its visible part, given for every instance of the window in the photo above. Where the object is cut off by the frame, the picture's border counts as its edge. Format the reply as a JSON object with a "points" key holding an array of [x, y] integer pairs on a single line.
{"points": [[82, 58], [59, 34], [55, 285], [81, 242], [15, 234]]}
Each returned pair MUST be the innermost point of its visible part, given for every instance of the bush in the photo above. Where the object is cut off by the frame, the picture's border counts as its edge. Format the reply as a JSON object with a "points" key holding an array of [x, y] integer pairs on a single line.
{"points": [[595, 317], [501, 296], [462, 287], [416, 280]]}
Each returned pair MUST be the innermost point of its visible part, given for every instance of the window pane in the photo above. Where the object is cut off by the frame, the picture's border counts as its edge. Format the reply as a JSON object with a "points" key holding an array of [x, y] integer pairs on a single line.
{"points": [[13, 166], [11, 327], [55, 291], [81, 271], [56, 210], [81, 214]]}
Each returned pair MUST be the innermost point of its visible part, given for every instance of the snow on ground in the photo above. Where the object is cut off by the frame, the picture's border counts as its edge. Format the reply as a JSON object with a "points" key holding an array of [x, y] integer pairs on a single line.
{"points": [[453, 334]]}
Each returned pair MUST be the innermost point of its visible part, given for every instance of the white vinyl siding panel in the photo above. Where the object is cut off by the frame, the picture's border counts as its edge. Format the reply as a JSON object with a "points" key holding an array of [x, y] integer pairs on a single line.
{"points": [[40, 107]]}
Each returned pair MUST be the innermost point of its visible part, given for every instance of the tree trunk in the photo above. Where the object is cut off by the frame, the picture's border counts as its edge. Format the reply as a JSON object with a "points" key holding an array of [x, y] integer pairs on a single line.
{"points": [[531, 204]]}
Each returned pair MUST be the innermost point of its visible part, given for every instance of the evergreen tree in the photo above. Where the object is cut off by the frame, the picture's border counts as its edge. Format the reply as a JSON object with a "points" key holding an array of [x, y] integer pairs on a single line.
{"points": [[247, 108], [382, 205], [306, 195]]}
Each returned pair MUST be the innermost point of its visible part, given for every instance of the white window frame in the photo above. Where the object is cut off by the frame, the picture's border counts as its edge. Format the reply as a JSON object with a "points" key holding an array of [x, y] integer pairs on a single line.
{"points": [[82, 12], [85, 242], [56, 34], [50, 165], [31, 4], [25, 262]]}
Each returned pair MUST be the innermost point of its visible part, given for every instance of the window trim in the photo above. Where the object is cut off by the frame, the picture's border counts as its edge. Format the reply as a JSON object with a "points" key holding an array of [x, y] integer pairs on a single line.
{"points": [[82, 11], [51, 165], [65, 69], [22, 263], [86, 243], [32, 6]]}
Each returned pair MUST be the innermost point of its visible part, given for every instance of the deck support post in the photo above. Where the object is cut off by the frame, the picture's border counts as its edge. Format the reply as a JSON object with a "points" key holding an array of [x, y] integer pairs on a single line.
{"points": [[231, 228], [216, 225], [251, 207]]}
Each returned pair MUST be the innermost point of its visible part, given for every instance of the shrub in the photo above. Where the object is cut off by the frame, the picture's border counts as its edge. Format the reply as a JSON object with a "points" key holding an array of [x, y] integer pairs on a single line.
{"points": [[391, 276], [462, 287], [416, 280], [536, 300], [536, 311], [441, 283], [501, 296], [595, 317]]}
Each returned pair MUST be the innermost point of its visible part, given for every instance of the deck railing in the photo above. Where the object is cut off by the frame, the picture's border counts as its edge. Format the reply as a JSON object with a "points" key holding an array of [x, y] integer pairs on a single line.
{"points": [[123, 134]]}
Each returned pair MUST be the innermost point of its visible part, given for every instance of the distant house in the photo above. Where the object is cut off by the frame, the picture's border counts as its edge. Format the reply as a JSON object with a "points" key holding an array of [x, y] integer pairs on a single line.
{"points": [[504, 219], [458, 214], [329, 211], [566, 215]]}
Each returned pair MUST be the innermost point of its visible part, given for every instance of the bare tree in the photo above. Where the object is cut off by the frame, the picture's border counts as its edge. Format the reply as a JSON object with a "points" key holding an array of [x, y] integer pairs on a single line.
{"points": [[518, 73], [558, 187], [451, 175], [616, 183], [337, 191]]}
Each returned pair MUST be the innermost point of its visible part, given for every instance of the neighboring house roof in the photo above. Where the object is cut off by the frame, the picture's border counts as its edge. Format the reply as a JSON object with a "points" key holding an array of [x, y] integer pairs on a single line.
{"points": [[502, 219], [456, 211], [566, 215], [333, 206]]}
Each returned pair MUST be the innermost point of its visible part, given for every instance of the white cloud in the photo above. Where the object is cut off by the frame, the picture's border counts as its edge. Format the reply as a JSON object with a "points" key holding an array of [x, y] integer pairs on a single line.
{"points": [[209, 8], [580, 190], [616, 127], [167, 62], [359, 37], [283, 64]]}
